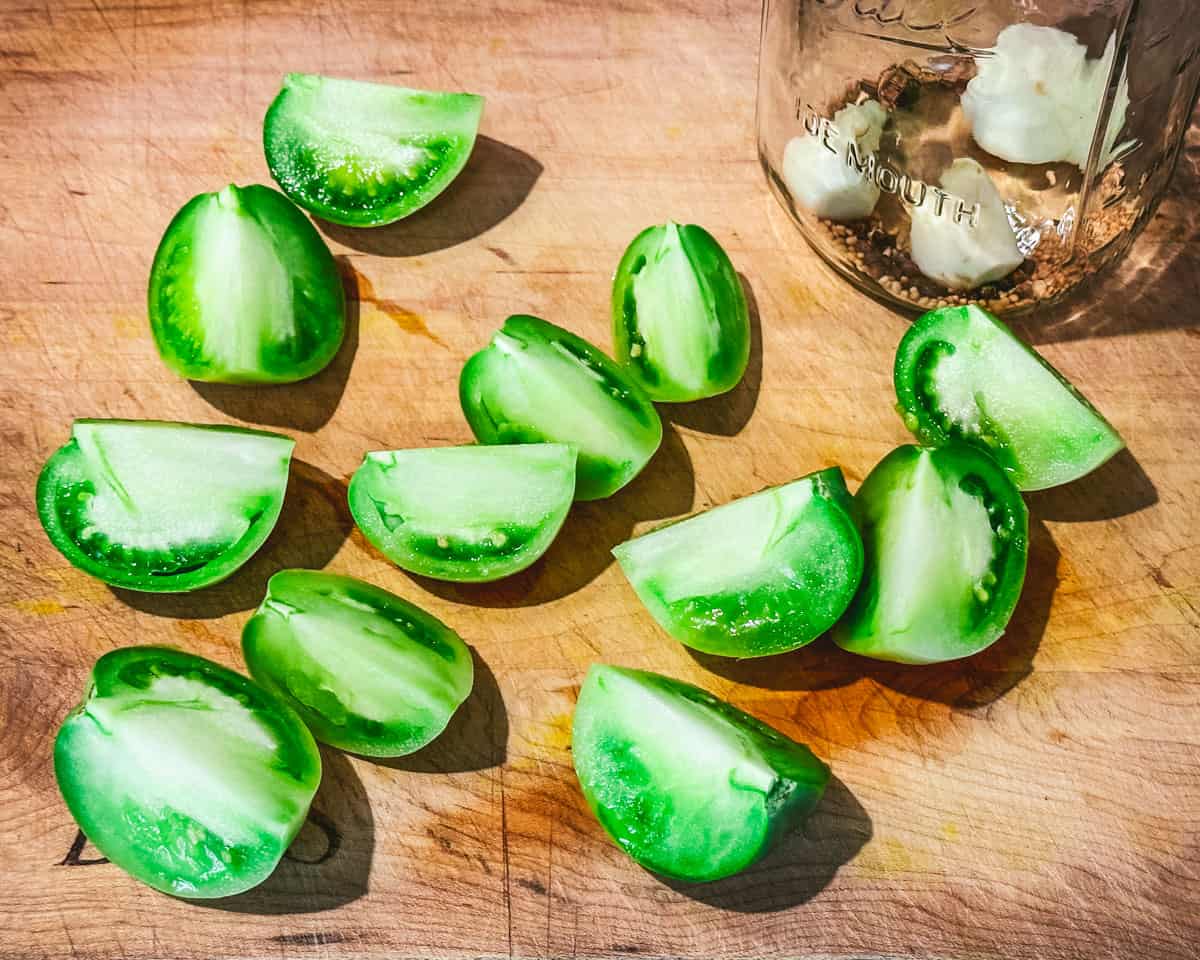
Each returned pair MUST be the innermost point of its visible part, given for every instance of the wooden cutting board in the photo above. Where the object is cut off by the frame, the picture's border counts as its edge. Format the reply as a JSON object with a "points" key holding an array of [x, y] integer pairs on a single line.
{"points": [[1040, 800]]}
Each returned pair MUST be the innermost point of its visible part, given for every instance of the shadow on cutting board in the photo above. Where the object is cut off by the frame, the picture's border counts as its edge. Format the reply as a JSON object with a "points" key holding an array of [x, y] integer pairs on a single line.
{"points": [[728, 413], [329, 862], [801, 866], [961, 684], [583, 548], [495, 181], [476, 737], [307, 405], [312, 526]]}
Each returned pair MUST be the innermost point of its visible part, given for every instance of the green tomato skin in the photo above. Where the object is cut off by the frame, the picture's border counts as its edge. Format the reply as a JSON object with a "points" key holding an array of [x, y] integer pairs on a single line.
{"points": [[539, 383], [687, 785], [186, 775], [244, 290], [680, 320], [760, 576], [162, 507], [367, 671], [366, 154], [961, 374], [467, 514], [946, 539]]}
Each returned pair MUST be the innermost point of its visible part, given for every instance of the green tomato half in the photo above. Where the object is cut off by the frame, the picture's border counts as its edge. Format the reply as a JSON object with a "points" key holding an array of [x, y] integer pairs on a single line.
{"points": [[186, 775], [946, 537], [366, 154], [962, 375], [162, 507], [538, 383], [759, 576], [680, 321], [367, 671], [244, 290], [687, 785], [468, 514]]}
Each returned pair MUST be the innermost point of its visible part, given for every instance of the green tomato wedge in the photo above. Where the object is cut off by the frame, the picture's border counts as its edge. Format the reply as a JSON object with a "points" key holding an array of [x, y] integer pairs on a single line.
{"points": [[367, 671], [538, 383], [186, 775], [680, 322], [244, 290], [687, 785], [961, 374], [366, 154], [759, 576], [162, 507], [946, 536], [468, 514]]}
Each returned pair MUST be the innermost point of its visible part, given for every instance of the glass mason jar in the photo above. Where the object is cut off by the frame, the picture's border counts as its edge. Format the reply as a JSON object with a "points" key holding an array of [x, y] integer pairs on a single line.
{"points": [[999, 152]]}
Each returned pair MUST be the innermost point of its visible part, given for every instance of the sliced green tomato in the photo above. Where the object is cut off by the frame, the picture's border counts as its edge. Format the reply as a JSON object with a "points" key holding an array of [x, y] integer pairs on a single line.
{"points": [[961, 374], [366, 154], [680, 323], [686, 784], [244, 290], [367, 671], [762, 575], [162, 507], [538, 383], [186, 775], [468, 514], [946, 536]]}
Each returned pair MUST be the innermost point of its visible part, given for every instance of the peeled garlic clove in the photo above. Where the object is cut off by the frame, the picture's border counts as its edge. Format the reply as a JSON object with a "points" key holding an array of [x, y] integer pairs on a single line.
{"points": [[947, 247], [823, 179], [1037, 98]]}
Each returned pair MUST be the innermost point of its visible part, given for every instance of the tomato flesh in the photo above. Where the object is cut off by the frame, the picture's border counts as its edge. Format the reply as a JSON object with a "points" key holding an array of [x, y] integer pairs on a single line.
{"points": [[946, 536], [162, 507], [687, 785], [367, 671], [680, 321], [467, 514], [762, 575], [366, 154], [962, 375], [538, 383], [244, 290], [186, 775]]}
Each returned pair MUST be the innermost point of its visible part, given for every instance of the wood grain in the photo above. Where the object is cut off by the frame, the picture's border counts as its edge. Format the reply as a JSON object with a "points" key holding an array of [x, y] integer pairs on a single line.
{"points": [[1039, 800]]}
